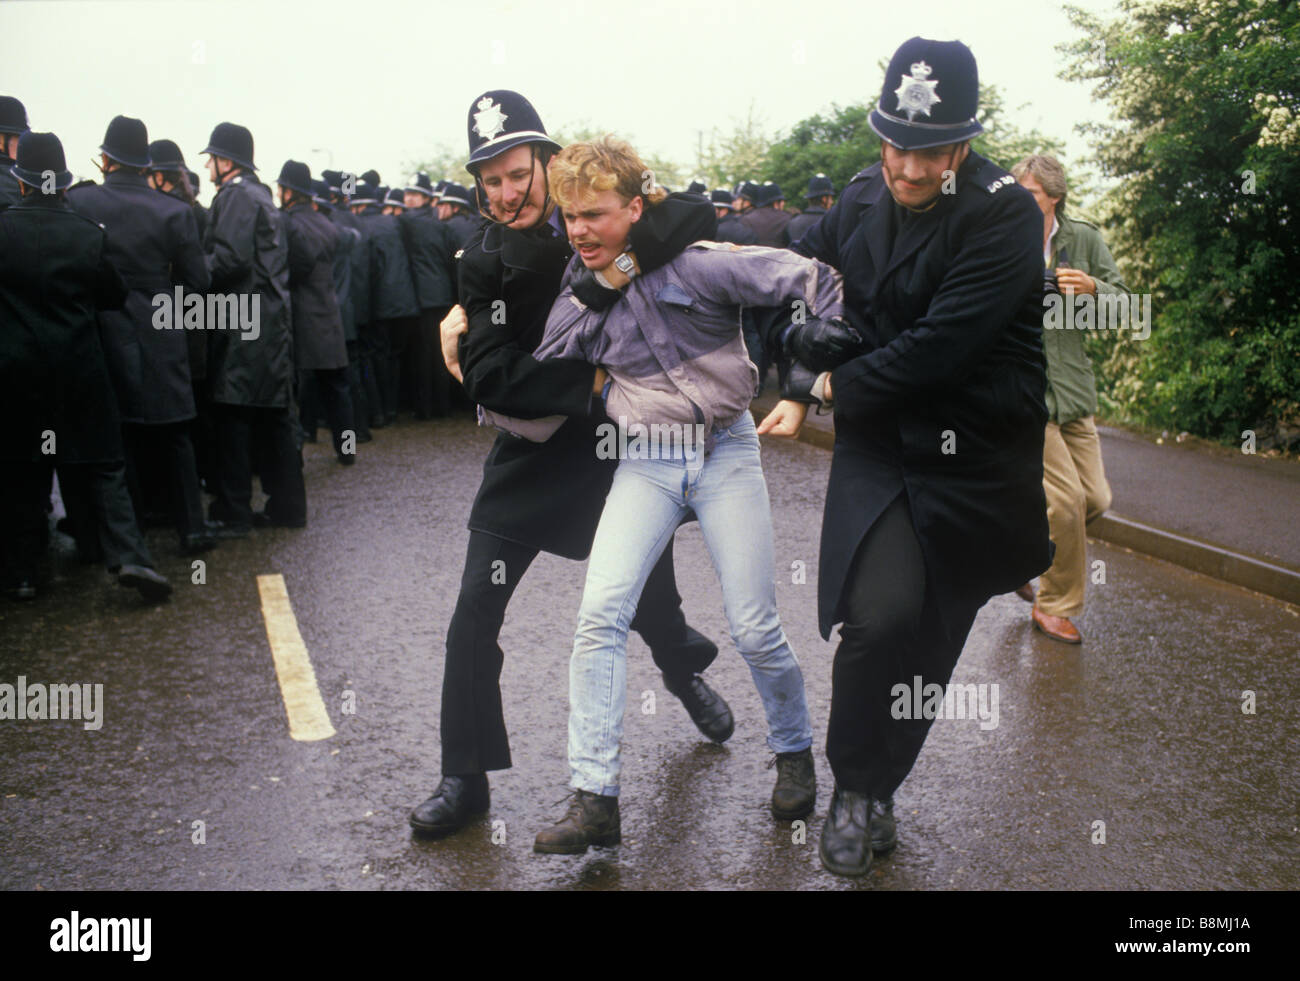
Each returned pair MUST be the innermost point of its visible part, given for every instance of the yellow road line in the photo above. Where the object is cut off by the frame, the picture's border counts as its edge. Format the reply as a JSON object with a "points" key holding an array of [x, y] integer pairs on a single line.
{"points": [[308, 719]]}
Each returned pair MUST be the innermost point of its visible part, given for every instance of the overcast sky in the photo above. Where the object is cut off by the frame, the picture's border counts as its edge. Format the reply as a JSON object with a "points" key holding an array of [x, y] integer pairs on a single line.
{"points": [[382, 84]]}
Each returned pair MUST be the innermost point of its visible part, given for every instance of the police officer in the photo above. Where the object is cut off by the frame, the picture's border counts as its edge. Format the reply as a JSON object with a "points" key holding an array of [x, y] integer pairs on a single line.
{"points": [[536, 496], [154, 243], [820, 198], [935, 501], [431, 246], [364, 203], [730, 227], [393, 305], [13, 124], [169, 174], [743, 197], [765, 219], [456, 210], [353, 284], [319, 349], [56, 397], [250, 365]]}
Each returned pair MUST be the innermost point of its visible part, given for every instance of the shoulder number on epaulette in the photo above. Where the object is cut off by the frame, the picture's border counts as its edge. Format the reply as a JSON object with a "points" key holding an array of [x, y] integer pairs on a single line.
{"points": [[1005, 180]]}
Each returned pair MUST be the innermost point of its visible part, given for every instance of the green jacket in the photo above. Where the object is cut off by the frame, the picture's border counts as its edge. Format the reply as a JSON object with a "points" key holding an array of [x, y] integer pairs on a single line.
{"points": [[1071, 387]]}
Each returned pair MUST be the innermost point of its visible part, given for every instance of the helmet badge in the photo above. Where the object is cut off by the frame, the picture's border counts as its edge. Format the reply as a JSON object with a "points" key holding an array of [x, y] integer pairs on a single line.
{"points": [[916, 94], [489, 120]]}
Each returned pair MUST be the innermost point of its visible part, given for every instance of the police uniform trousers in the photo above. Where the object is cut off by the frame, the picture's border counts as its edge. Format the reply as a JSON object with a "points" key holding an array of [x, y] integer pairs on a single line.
{"points": [[372, 344], [168, 445], [430, 381], [24, 494], [892, 633], [1077, 492], [327, 388], [473, 726], [253, 436], [100, 513], [357, 391], [395, 335]]}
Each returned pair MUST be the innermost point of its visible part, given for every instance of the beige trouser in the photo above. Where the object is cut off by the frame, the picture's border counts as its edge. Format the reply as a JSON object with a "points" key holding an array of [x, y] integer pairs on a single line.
{"points": [[1075, 483]]}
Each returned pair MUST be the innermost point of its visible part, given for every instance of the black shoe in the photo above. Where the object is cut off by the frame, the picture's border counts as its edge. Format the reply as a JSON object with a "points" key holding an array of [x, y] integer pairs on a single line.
{"points": [[347, 459], [884, 829], [707, 709], [795, 792], [152, 586], [452, 805], [591, 820], [846, 838], [198, 542], [226, 531]]}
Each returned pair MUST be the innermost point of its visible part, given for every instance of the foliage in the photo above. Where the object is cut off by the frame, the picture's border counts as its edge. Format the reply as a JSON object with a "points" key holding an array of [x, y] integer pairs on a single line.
{"points": [[1203, 210]]}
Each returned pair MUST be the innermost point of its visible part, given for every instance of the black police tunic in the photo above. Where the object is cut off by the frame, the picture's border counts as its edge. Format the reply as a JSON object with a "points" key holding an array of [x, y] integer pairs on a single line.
{"points": [[948, 404]]}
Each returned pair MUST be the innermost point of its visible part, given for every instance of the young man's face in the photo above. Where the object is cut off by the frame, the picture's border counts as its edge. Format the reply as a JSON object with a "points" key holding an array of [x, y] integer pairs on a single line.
{"points": [[415, 199], [1046, 204], [598, 224], [506, 178], [915, 177]]}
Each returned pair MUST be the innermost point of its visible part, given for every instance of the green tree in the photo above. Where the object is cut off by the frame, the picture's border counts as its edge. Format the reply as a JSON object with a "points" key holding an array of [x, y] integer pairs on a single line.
{"points": [[1203, 210], [722, 159]]}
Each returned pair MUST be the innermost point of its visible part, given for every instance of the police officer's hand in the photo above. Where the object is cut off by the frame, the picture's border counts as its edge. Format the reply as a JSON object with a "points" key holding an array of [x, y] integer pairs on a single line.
{"points": [[452, 326], [1075, 280], [786, 419], [598, 383], [822, 345]]}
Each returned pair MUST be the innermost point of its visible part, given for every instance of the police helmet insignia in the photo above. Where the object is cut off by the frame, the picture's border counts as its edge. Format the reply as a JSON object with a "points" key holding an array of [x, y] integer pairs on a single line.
{"points": [[917, 93], [489, 121]]}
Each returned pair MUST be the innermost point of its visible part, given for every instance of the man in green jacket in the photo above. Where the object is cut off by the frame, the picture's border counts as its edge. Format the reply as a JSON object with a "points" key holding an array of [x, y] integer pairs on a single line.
{"points": [[1073, 477]]}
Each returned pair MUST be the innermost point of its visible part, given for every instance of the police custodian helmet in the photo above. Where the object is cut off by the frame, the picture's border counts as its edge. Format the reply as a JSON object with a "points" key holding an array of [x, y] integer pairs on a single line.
{"points": [[930, 96], [501, 120]]}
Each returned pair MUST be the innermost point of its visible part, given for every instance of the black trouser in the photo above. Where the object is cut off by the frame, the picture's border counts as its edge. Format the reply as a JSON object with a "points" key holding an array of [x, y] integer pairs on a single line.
{"points": [[169, 444], [431, 384], [473, 727], [892, 632], [203, 437], [247, 433], [397, 340], [372, 340], [99, 505], [357, 390], [328, 387], [24, 494]]}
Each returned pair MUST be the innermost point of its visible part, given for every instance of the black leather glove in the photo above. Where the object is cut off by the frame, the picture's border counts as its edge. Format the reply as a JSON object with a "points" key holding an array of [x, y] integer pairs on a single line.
{"points": [[587, 289], [822, 345], [797, 381]]}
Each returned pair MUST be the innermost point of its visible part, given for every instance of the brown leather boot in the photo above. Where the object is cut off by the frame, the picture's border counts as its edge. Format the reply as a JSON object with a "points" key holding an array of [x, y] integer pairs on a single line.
{"points": [[591, 820]]}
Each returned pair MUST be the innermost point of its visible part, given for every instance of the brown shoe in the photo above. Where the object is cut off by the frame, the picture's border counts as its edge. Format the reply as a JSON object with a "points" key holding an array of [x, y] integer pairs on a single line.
{"points": [[1058, 628], [591, 820], [1026, 592]]}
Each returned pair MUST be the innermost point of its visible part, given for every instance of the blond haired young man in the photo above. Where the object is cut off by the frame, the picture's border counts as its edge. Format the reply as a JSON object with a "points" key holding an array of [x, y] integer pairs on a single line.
{"points": [[675, 359]]}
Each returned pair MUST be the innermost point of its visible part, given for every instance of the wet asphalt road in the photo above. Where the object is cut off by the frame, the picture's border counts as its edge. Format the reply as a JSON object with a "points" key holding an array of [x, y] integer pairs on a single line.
{"points": [[1142, 728]]}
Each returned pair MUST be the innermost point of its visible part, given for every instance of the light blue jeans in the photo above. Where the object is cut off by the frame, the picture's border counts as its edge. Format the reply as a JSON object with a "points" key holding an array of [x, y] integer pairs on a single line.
{"points": [[646, 502]]}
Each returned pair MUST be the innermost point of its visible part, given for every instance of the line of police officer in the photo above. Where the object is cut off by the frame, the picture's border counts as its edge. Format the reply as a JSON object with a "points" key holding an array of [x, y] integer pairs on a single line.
{"points": [[315, 309]]}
